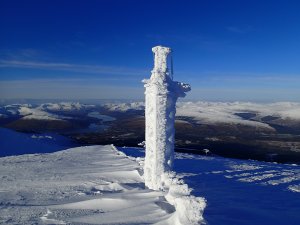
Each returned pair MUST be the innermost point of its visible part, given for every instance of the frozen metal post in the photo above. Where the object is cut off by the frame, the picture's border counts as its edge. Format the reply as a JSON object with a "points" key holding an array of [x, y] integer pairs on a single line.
{"points": [[160, 108]]}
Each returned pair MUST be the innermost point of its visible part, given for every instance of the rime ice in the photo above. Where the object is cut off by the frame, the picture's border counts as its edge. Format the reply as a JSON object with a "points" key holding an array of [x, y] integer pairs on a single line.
{"points": [[161, 96]]}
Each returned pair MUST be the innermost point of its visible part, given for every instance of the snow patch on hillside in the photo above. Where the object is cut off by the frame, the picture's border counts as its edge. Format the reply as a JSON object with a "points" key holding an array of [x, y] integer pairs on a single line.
{"points": [[294, 188], [124, 107], [13, 109], [41, 112], [267, 174], [41, 136], [66, 106], [211, 113], [226, 112], [36, 114]]}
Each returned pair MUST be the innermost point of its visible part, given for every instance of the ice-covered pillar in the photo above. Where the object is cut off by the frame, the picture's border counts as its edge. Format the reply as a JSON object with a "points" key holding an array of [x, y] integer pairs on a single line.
{"points": [[160, 107]]}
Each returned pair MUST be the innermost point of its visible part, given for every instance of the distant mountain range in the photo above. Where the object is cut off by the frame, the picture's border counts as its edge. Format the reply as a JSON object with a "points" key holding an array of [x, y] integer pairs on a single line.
{"points": [[269, 132]]}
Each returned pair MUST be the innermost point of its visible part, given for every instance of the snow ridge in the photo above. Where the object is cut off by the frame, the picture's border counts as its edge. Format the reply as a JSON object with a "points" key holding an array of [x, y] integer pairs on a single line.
{"points": [[189, 209], [86, 185]]}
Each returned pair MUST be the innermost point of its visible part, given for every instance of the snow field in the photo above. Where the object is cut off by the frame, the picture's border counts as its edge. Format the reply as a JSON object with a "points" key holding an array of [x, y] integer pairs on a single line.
{"points": [[86, 185]]}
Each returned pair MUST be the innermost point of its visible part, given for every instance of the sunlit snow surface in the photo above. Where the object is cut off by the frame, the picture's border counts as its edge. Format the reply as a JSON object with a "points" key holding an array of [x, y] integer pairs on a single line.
{"points": [[84, 185], [240, 192], [99, 185]]}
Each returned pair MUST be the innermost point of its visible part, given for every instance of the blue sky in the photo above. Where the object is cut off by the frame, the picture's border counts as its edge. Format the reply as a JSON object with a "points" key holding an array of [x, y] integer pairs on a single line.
{"points": [[227, 50]]}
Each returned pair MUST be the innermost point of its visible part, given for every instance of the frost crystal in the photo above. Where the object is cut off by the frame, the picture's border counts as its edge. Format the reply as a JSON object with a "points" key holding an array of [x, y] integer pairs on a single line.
{"points": [[161, 96]]}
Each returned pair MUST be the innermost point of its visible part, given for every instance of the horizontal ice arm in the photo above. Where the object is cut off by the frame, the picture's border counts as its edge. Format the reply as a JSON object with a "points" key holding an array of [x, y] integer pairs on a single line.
{"points": [[184, 87], [181, 88]]}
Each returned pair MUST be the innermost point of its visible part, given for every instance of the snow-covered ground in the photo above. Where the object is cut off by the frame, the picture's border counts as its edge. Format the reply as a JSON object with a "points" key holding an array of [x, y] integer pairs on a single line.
{"points": [[17, 143], [240, 192], [100, 185], [88, 185]]}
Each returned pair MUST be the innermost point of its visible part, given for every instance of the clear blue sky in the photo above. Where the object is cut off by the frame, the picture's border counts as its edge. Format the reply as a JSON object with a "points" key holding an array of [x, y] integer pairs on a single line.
{"points": [[243, 50]]}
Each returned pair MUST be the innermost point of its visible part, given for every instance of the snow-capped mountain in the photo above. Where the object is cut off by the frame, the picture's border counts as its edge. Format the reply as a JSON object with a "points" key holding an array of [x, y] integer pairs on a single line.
{"points": [[244, 113], [237, 129]]}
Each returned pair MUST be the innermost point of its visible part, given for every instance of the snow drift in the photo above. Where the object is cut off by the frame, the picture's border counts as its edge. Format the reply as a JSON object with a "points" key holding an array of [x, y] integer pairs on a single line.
{"points": [[89, 185]]}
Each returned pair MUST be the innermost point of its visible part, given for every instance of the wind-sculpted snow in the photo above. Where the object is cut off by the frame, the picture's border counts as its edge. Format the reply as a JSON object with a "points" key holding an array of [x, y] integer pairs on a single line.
{"points": [[267, 174], [88, 185], [263, 193], [243, 192], [258, 172]]}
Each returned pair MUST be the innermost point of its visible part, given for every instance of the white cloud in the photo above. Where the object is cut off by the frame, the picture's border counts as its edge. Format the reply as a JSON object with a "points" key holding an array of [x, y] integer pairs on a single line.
{"points": [[72, 67]]}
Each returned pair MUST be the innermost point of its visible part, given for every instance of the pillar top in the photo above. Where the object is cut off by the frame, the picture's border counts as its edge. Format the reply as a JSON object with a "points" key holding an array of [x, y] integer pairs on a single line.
{"points": [[160, 48], [160, 58]]}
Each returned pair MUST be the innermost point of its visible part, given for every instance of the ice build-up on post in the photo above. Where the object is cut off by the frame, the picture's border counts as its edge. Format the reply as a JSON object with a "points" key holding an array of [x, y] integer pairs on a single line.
{"points": [[160, 107]]}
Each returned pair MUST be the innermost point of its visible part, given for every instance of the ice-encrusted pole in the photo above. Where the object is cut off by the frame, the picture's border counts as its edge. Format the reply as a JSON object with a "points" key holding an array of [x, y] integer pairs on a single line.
{"points": [[160, 107]]}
